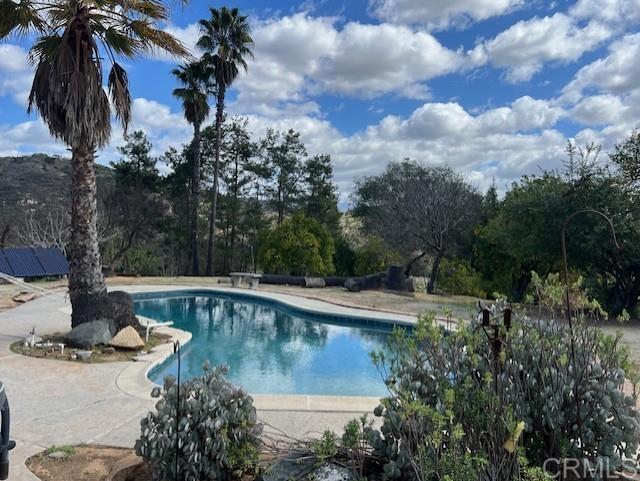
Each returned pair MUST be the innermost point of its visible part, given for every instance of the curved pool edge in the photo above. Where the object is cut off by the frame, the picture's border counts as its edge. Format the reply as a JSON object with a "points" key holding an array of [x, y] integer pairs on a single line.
{"points": [[134, 381], [308, 305]]}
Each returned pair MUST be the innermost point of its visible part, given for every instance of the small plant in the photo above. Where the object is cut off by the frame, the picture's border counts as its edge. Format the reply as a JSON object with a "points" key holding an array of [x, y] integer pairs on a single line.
{"points": [[218, 433], [356, 444], [68, 450], [326, 447]]}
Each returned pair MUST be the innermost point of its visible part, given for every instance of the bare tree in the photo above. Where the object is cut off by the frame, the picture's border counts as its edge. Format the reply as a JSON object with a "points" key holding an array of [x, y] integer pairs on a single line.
{"points": [[418, 210], [51, 229]]}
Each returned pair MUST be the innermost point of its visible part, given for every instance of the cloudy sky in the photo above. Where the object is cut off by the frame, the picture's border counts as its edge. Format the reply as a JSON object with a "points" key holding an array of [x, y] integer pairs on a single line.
{"points": [[493, 88]]}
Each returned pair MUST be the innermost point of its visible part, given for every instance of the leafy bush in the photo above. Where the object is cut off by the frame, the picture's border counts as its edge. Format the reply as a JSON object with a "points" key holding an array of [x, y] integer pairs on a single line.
{"points": [[448, 400], [300, 246], [459, 278], [344, 257], [219, 436], [141, 261], [374, 257]]}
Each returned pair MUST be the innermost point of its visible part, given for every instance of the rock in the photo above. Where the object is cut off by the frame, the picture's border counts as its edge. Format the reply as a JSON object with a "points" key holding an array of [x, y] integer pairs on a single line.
{"points": [[121, 310], [109, 350], [127, 338], [129, 467], [84, 355], [395, 279], [24, 297], [417, 284], [331, 472], [288, 469], [91, 334], [58, 455], [352, 284], [314, 282]]}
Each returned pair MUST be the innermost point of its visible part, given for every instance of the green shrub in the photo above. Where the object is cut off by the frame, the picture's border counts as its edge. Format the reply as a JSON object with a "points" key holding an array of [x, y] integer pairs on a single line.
{"points": [[140, 261], [300, 246], [457, 277], [447, 402], [344, 257], [219, 436], [374, 257], [326, 447]]}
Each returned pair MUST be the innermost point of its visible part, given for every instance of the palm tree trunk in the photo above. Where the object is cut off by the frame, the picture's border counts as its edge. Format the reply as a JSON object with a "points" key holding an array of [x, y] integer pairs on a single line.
{"points": [[195, 193], [87, 289], [216, 173]]}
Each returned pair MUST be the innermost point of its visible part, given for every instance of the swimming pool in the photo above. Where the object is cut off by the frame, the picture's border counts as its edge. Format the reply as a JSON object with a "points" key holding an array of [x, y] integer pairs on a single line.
{"points": [[270, 348]]}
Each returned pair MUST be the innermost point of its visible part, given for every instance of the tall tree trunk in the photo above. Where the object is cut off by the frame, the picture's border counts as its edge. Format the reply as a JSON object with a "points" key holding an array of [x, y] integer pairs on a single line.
{"points": [[87, 289], [433, 278], [195, 194], [216, 173], [234, 215]]}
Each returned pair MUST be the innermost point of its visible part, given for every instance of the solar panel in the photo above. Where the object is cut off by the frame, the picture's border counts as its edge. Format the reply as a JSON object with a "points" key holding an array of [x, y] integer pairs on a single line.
{"points": [[5, 267], [33, 262], [52, 260], [24, 262]]}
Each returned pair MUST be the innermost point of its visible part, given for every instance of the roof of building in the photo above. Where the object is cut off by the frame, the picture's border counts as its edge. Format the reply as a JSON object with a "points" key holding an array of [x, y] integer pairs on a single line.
{"points": [[33, 262]]}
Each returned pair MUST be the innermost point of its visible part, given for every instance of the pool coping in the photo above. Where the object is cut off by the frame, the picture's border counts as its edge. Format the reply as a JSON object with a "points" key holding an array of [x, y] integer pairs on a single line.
{"points": [[133, 379]]}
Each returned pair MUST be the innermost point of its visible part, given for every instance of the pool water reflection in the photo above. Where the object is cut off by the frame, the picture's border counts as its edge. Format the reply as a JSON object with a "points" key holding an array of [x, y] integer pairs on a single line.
{"points": [[268, 349]]}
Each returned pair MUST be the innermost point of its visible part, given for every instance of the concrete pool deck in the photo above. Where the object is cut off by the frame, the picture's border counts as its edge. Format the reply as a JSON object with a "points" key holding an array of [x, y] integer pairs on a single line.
{"points": [[58, 402]]}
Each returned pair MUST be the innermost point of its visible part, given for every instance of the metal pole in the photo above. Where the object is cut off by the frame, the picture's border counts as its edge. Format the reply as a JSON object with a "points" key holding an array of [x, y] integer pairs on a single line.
{"points": [[176, 351], [563, 231]]}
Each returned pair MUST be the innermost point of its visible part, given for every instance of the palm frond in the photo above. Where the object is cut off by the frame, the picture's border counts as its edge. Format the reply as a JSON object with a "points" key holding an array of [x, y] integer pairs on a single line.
{"points": [[20, 17], [118, 84], [226, 40]]}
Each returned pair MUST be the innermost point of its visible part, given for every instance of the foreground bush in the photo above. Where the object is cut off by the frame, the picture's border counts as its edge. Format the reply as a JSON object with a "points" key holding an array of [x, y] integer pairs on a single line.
{"points": [[454, 413], [218, 432]]}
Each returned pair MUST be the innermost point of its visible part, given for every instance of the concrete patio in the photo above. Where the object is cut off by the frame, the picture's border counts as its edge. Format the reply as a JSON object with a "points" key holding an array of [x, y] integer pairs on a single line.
{"points": [[58, 402]]}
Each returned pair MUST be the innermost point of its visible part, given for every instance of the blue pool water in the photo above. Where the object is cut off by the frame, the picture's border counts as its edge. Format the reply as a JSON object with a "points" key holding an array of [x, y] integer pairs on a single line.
{"points": [[269, 348]]}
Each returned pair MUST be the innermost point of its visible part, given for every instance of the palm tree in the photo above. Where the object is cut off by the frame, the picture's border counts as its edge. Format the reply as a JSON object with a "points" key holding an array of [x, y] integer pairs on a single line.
{"points": [[225, 39], [72, 37], [196, 80]]}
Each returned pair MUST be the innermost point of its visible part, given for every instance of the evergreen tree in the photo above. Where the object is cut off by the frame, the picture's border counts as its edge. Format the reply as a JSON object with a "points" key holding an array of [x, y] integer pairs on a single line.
{"points": [[321, 202]]}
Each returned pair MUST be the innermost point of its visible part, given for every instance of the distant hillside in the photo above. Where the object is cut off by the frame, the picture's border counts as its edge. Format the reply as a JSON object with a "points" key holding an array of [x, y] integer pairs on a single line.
{"points": [[35, 183]]}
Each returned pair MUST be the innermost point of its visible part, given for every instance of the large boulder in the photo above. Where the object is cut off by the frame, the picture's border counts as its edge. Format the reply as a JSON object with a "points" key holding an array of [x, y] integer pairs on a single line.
{"points": [[91, 334], [121, 310], [116, 305], [127, 338]]}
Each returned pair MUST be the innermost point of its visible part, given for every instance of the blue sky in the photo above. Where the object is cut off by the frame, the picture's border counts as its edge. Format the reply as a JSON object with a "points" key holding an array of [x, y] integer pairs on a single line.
{"points": [[493, 88]]}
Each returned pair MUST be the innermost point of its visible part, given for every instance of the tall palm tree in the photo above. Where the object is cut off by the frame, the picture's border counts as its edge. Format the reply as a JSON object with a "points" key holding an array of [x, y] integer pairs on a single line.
{"points": [[196, 79], [72, 37], [226, 38]]}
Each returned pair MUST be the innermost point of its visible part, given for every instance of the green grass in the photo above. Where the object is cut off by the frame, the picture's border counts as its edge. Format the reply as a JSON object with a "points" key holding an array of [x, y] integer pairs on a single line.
{"points": [[66, 449]]}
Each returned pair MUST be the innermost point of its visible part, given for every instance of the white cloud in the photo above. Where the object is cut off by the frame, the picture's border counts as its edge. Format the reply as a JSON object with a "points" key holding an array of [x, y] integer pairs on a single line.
{"points": [[526, 46], [618, 72], [298, 56], [599, 110], [15, 73], [30, 136], [503, 143], [440, 13], [615, 12]]}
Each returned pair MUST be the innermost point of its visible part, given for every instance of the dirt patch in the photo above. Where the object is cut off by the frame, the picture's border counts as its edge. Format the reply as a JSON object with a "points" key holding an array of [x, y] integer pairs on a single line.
{"points": [[90, 463], [99, 354]]}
